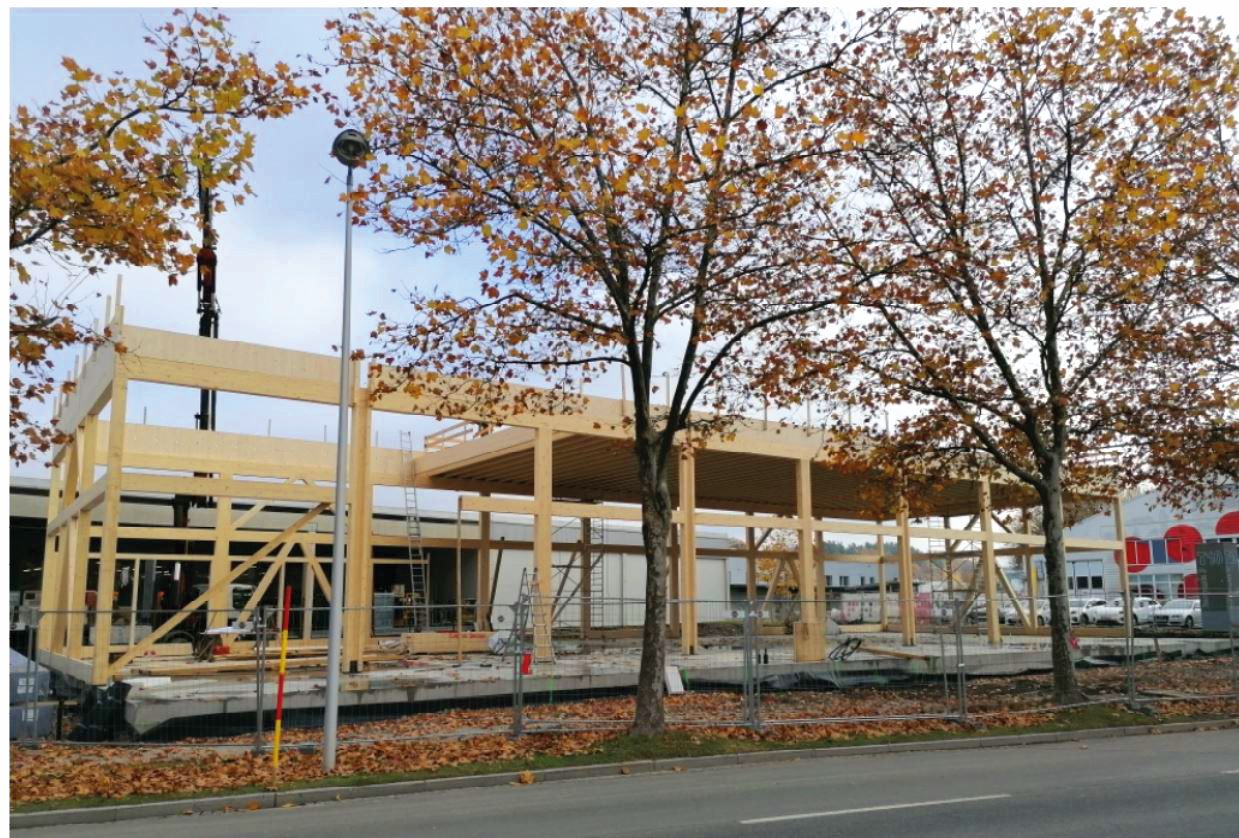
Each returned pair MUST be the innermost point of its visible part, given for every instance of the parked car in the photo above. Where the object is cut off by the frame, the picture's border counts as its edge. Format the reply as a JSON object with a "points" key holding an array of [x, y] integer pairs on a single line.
{"points": [[1080, 607], [1143, 610], [1011, 616], [1179, 612]]}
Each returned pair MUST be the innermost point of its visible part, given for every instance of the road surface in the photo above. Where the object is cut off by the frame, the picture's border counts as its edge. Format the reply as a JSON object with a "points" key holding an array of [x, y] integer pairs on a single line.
{"points": [[1167, 785]]}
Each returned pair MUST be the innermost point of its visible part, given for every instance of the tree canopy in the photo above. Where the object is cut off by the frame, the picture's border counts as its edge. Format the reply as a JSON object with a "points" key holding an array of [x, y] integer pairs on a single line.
{"points": [[105, 176], [1037, 206], [646, 183]]}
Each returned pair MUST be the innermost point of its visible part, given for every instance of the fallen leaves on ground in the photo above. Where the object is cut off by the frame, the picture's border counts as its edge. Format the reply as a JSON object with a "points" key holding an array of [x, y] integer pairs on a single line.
{"points": [[58, 772]]}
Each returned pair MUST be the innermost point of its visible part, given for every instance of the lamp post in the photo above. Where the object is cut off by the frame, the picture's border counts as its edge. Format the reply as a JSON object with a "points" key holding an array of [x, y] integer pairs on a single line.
{"points": [[350, 148]]}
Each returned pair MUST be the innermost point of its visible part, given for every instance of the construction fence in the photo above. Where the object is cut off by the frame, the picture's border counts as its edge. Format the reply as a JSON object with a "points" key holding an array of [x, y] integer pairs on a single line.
{"points": [[450, 671]]}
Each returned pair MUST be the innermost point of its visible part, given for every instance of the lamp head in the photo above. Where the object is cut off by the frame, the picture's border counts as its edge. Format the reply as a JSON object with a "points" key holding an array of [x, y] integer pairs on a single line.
{"points": [[350, 147]]}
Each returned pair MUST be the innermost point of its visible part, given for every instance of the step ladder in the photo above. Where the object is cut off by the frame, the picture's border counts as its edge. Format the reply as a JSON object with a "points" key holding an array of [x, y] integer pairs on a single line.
{"points": [[419, 562], [540, 610]]}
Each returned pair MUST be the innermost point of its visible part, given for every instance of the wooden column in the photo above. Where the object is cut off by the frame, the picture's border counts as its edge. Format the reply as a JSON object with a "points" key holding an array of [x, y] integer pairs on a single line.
{"points": [[53, 559], [688, 551], [819, 577], [907, 581], [985, 515], [542, 545], [750, 564], [111, 520], [358, 599], [882, 612], [542, 486], [809, 634], [221, 563], [307, 591], [76, 545], [1030, 570], [587, 583], [483, 570], [673, 580]]}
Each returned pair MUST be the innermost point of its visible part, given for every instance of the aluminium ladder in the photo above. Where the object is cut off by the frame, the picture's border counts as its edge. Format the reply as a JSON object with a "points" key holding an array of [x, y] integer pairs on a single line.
{"points": [[419, 563]]}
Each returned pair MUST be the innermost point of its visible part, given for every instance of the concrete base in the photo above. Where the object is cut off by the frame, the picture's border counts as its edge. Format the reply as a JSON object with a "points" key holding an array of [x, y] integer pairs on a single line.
{"points": [[809, 642], [153, 703]]}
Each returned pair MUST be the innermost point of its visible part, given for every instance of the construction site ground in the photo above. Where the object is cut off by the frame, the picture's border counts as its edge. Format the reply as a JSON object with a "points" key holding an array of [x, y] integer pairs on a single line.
{"points": [[474, 740], [224, 697]]}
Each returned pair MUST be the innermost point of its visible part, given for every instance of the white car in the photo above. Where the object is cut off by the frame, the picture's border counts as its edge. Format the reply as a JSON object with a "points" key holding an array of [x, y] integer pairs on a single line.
{"points": [[1179, 612], [1143, 610], [1011, 616], [1080, 608]]}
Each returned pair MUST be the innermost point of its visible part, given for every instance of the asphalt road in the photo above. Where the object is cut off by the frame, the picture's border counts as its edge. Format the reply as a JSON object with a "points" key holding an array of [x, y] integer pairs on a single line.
{"points": [[1168, 785]]}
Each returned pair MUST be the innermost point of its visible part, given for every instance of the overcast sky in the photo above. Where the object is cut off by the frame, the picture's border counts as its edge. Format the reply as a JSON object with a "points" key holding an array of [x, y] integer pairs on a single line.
{"points": [[280, 255]]}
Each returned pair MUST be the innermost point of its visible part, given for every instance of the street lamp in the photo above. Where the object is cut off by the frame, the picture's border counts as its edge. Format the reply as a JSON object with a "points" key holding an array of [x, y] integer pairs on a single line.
{"points": [[350, 148]]}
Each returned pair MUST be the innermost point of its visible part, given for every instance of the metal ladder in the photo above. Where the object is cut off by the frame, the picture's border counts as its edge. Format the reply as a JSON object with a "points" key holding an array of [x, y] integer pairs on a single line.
{"points": [[419, 564], [598, 576]]}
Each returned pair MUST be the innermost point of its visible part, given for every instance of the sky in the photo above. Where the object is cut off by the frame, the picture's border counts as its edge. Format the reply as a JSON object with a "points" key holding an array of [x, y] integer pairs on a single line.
{"points": [[281, 254]]}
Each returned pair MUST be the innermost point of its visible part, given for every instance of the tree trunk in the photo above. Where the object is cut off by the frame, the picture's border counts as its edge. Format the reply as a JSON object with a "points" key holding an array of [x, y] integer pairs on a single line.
{"points": [[650, 718], [1066, 691]]}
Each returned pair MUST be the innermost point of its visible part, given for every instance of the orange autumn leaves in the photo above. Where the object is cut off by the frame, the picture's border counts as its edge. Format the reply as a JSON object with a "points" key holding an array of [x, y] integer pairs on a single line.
{"points": [[105, 176]]}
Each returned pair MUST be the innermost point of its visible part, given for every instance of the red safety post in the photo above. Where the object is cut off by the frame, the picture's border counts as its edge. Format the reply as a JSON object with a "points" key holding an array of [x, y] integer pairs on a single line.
{"points": [[279, 694]]}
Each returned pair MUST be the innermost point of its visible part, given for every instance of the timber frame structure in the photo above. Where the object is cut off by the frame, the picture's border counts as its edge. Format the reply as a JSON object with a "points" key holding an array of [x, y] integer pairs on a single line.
{"points": [[543, 465]]}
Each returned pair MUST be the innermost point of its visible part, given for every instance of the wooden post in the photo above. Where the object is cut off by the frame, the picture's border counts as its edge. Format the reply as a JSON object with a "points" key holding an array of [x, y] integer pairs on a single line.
{"points": [[750, 564], [673, 577], [882, 612], [76, 543], [907, 582], [482, 610], [221, 562], [358, 623], [819, 577], [985, 515], [587, 583], [307, 590], [542, 546], [111, 520], [809, 634], [688, 551], [53, 560], [1030, 567]]}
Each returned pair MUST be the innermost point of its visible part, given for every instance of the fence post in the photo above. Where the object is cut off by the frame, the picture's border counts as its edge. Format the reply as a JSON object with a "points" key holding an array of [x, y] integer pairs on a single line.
{"points": [[518, 669], [748, 662], [260, 659], [946, 684], [1234, 667], [31, 721], [1130, 637], [961, 674]]}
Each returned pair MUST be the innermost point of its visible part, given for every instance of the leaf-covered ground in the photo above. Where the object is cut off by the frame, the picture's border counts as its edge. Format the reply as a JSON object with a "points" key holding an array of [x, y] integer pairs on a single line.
{"points": [[59, 772]]}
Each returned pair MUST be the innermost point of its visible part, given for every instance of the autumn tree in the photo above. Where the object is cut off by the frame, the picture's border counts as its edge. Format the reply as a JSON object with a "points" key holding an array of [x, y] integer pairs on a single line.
{"points": [[105, 176], [649, 188], [1039, 197]]}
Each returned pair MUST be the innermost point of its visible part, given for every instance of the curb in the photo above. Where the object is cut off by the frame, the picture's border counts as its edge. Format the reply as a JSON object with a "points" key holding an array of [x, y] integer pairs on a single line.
{"points": [[298, 797]]}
